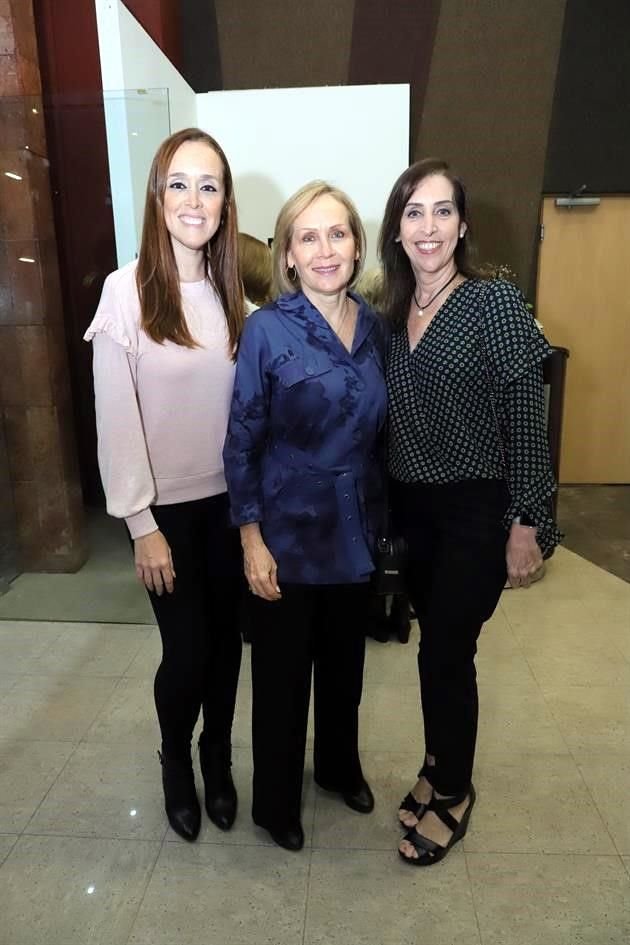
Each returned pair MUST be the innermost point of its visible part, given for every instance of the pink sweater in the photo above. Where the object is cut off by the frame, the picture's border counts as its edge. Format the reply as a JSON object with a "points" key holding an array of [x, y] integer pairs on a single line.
{"points": [[161, 410]]}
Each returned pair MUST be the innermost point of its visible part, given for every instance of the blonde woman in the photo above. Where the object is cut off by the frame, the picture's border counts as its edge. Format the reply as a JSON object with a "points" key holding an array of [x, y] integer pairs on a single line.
{"points": [[309, 406]]}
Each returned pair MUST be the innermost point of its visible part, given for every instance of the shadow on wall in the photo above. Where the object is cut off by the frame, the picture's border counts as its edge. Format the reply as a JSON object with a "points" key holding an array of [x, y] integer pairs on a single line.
{"points": [[494, 238], [259, 200]]}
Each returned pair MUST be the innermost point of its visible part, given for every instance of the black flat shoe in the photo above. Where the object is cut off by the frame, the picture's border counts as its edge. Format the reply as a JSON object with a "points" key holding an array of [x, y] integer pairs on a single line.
{"points": [[289, 838], [215, 761], [180, 797], [361, 800], [430, 852]]}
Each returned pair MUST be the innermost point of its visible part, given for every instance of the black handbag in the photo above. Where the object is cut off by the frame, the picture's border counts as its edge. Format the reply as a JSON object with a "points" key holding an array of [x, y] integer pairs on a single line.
{"points": [[390, 554]]}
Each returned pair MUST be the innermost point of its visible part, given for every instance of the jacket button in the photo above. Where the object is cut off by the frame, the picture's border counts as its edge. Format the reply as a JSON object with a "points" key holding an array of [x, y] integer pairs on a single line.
{"points": [[309, 370], [346, 496]]}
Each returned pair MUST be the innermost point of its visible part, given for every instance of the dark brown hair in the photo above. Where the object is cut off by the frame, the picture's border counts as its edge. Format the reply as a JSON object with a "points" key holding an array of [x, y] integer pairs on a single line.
{"points": [[157, 277], [399, 280]]}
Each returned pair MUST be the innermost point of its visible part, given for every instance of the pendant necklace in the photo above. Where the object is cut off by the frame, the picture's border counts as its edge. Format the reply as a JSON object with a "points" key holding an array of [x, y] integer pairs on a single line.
{"points": [[423, 308]]}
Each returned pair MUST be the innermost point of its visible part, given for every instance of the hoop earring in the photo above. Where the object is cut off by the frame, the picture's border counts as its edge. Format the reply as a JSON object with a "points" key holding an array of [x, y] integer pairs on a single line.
{"points": [[291, 276]]}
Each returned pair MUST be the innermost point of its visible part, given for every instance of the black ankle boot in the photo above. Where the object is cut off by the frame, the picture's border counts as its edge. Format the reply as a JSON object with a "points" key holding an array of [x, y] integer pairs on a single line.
{"points": [[180, 797], [215, 761]]}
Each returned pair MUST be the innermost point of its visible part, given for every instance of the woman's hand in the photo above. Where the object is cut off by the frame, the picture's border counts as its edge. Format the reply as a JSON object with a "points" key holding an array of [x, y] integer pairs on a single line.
{"points": [[261, 570], [154, 562], [523, 556]]}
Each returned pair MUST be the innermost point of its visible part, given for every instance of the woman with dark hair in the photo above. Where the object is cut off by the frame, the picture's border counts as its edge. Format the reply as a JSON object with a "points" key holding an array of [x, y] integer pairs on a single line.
{"points": [[165, 336], [308, 408], [470, 470]]}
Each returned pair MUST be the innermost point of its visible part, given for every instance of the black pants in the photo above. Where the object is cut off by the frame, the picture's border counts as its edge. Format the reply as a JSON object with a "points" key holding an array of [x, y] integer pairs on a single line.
{"points": [[456, 573], [198, 623], [318, 626]]}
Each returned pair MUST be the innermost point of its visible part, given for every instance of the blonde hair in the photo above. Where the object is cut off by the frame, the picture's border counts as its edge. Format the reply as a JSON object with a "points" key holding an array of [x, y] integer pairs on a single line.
{"points": [[254, 260], [369, 285], [283, 234]]}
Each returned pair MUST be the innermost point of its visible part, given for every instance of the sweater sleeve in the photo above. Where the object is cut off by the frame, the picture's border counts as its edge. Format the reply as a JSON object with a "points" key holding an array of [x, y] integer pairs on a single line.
{"points": [[248, 425], [122, 451]]}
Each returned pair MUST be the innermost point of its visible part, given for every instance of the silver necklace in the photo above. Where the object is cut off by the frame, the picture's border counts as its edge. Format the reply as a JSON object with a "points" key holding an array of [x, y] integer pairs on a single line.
{"points": [[422, 308]]}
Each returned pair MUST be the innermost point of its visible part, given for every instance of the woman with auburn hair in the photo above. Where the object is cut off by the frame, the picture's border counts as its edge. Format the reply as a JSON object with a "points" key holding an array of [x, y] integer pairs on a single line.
{"points": [[254, 260], [470, 469], [304, 480], [165, 336]]}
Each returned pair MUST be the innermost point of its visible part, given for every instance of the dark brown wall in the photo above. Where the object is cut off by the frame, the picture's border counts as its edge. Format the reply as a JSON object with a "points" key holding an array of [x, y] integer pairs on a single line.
{"points": [[275, 43], [487, 111], [482, 81], [83, 213], [35, 399], [589, 139]]}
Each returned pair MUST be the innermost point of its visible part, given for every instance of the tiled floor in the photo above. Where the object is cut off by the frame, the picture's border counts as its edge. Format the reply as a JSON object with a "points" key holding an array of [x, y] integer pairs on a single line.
{"points": [[86, 856]]}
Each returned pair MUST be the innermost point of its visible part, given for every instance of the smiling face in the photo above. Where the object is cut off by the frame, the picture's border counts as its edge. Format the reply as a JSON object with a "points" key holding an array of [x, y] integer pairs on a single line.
{"points": [[322, 247], [193, 197], [430, 226]]}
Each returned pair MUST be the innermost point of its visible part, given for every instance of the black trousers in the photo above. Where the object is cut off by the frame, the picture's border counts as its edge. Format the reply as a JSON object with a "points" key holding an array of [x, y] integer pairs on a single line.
{"points": [[198, 623], [455, 577], [313, 626]]}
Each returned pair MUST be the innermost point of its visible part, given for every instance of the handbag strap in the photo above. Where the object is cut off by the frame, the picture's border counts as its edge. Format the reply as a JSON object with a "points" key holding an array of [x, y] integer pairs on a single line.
{"points": [[491, 390]]}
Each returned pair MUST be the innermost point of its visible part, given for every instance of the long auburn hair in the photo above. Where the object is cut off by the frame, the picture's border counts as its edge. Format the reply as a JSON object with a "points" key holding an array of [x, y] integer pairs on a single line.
{"points": [[157, 277], [399, 281]]}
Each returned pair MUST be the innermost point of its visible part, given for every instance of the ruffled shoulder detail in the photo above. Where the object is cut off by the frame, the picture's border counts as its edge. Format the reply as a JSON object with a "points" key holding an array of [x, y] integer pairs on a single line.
{"points": [[512, 340], [108, 325], [118, 312]]}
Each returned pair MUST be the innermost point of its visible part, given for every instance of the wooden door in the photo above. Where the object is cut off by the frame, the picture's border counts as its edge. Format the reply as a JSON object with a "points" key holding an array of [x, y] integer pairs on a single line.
{"points": [[583, 302]]}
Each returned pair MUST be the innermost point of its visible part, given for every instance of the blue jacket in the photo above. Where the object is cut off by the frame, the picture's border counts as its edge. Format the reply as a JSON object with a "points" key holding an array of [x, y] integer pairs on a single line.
{"points": [[302, 453]]}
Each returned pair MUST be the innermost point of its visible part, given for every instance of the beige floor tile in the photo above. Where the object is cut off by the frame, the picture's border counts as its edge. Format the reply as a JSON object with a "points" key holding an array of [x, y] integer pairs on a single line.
{"points": [[534, 805], [106, 790], [128, 715], [45, 885], [28, 769], [7, 682], [516, 720], [7, 842], [22, 642], [570, 660], [373, 898], [53, 707], [93, 649], [390, 718], [146, 661], [390, 775], [608, 779], [207, 894], [550, 900], [393, 663], [540, 619], [592, 718]]}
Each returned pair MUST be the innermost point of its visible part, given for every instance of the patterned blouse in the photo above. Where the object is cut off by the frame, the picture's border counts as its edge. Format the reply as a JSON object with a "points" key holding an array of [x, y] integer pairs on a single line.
{"points": [[301, 454], [468, 401]]}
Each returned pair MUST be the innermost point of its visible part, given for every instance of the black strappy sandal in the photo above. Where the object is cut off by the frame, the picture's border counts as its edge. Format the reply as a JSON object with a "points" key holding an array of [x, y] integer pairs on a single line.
{"points": [[410, 804], [428, 851]]}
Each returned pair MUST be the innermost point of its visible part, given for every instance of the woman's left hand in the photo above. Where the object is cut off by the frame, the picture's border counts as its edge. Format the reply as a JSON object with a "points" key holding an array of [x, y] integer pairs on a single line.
{"points": [[523, 555]]}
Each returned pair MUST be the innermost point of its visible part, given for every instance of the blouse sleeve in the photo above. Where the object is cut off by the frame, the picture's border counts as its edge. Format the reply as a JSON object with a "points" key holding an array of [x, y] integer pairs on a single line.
{"points": [[122, 451], [516, 349], [248, 425]]}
